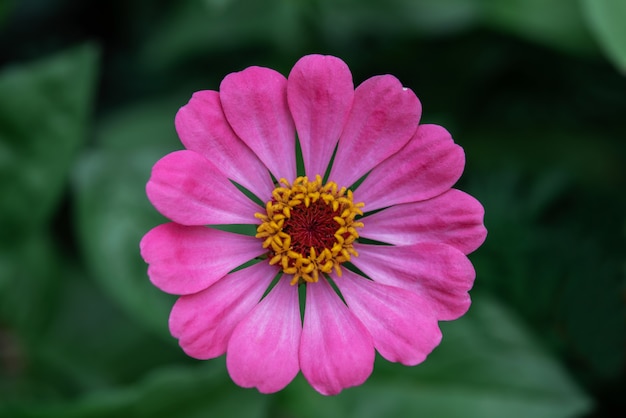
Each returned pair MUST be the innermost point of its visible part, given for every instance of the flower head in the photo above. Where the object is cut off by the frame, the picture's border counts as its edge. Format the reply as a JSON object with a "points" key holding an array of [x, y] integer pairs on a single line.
{"points": [[371, 227]]}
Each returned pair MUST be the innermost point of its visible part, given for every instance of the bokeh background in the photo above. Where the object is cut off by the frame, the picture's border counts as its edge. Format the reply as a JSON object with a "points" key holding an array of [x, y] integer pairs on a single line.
{"points": [[534, 90]]}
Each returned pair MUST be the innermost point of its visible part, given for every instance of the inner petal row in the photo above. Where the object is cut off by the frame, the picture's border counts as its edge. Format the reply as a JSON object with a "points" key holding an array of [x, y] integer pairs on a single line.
{"points": [[309, 227]]}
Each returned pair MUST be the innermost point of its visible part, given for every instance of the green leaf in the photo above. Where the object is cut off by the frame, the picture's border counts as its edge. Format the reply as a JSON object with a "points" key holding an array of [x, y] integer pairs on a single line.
{"points": [[556, 23], [173, 392], [30, 271], [606, 18], [488, 365], [114, 212], [91, 344], [44, 110], [59, 334]]}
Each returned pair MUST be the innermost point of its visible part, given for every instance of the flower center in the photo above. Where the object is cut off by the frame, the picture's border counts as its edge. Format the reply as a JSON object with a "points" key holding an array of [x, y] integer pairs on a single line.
{"points": [[309, 228]]}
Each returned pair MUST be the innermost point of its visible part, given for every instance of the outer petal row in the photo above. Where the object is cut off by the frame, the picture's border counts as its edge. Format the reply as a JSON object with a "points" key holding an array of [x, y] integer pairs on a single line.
{"points": [[454, 218], [255, 103], [266, 345], [263, 350], [397, 314], [203, 322], [426, 167], [190, 190], [336, 350], [186, 259], [320, 94], [383, 118], [403, 328], [202, 127], [438, 272]]}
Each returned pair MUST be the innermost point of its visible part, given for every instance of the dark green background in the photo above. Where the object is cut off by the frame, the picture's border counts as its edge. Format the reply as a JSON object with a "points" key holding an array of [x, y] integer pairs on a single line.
{"points": [[534, 90]]}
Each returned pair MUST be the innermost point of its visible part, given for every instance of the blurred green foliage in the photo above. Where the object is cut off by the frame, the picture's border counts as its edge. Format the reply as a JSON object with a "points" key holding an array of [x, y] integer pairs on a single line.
{"points": [[606, 20], [533, 90]]}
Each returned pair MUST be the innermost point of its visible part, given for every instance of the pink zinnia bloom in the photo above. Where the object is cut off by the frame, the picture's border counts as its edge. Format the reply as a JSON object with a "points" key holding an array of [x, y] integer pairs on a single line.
{"points": [[381, 263]]}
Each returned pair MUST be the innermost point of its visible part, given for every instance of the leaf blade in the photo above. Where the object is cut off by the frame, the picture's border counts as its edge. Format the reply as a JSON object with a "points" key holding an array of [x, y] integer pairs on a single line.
{"points": [[606, 18], [44, 112]]}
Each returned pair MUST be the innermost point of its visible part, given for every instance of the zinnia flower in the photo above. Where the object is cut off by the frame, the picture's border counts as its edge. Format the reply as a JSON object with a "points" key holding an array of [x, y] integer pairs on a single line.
{"points": [[370, 233]]}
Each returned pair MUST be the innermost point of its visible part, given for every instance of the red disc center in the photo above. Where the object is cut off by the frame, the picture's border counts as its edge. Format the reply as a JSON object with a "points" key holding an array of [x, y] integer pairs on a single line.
{"points": [[311, 226]]}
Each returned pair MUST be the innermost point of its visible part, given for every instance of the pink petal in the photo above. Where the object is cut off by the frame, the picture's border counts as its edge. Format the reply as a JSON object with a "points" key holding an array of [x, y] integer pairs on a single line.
{"points": [[189, 190], [438, 272], [203, 322], [454, 218], [202, 127], [383, 119], [263, 349], [255, 104], [187, 259], [320, 93], [427, 166], [336, 350], [403, 330]]}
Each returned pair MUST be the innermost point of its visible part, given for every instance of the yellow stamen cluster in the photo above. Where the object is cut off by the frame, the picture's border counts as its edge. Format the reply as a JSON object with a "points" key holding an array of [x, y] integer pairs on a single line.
{"points": [[295, 228]]}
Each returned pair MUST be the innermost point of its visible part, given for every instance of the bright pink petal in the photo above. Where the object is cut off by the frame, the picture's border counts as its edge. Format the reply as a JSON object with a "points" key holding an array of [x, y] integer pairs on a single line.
{"points": [[320, 93], [336, 350], [454, 218], [403, 330], [187, 259], [255, 104], [383, 119], [438, 272], [202, 127], [427, 166], [203, 322], [189, 190], [263, 349]]}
